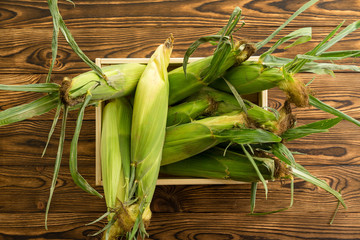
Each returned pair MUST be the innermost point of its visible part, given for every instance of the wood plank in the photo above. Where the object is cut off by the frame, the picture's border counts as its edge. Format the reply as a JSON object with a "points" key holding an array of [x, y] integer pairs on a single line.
{"points": [[34, 185], [28, 50], [233, 226], [33, 182], [181, 226], [196, 14], [61, 226], [22, 144], [341, 92]]}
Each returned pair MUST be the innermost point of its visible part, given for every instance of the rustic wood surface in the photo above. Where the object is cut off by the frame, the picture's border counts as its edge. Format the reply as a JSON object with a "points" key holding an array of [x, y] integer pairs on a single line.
{"points": [[133, 29]]}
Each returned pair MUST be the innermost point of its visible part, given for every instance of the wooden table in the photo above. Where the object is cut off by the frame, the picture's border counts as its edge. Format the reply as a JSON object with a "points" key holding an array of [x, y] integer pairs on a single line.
{"points": [[205, 212]]}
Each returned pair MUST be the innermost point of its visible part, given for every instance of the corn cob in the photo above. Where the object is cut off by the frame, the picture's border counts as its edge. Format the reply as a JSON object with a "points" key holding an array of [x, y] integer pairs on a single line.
{"points": [[121, 81], [186, 140], [148, 126], [206, 102], [115, 158], [210, 102], [213, 163], [115, 151], [251, 77], [197, 73]]}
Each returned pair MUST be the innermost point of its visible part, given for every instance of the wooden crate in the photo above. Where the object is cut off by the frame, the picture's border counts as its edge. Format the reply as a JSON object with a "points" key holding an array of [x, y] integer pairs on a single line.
{"points": [[259, 98]]}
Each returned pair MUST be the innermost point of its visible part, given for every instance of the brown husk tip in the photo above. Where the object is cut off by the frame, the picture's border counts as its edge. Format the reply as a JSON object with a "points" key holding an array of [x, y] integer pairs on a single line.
{"points": [[213, 106], [246, 51], [287, 119], [169, 41], [296, 91], [125, 219], [281, 170], [64, 93]]}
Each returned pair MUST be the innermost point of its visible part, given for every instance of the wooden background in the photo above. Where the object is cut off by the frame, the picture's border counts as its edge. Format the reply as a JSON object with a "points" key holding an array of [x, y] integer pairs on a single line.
{"points": [[134, 29]]}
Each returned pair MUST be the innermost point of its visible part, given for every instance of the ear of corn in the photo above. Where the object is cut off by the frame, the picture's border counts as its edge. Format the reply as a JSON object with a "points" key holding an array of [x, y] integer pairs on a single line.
{"points": [[250, 77], [198, 73], [115, 151], [148, 125], [186, 140], [186, 112], [210, 102], [121, 81], [221, 164], [206, 102]]}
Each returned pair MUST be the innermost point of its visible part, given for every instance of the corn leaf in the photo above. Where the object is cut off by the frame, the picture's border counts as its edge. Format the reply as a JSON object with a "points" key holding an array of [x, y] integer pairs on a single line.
{"points": [[326, 108], [249, 136], [99, 219], [299, 11], [330, 57], [251, 159], [223, 46], [305, 175], [336, 210], [253, 196], [57, 163], [107, 227], [349, 29], [296, 65], [237, 96], [303, 35], [283, 153], [313, 67], [25, 111], [59, 23], [281, 209], [54, 44], [78, 179], [39, 87], [56, 117], [305, 130]]}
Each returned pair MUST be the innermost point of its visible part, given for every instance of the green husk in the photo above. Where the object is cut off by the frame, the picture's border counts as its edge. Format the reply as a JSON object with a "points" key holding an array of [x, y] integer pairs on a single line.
{"points": [[121, 81], [148, 127], [186, 140], [250, 77], [209, 102], [205, 103], [115, 150], [115, 163], [213, 163], [197, 75]]}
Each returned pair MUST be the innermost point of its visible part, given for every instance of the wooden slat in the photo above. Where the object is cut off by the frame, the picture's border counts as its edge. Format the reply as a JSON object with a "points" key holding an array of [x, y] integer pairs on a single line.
{"points": [[175, 226], [61, 226], [133, 29], [233, 226], [196, 14], [22, 144], [28, 50], [34, 184]]}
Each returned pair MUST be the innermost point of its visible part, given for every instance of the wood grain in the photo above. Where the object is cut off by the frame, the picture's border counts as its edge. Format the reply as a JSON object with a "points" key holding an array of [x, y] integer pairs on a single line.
{"points": [[185, 13], [133, 29], [181, 226], [22, 144], [29, 50], [35, 181]]}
